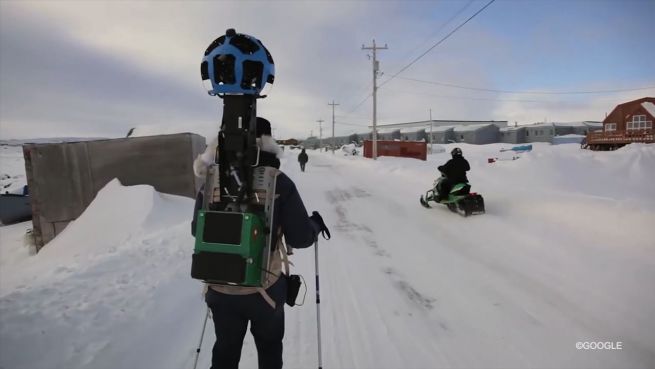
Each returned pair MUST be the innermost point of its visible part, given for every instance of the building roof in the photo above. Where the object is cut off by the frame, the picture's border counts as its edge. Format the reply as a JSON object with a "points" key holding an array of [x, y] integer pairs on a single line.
{"points": [[436, 123], [441, 129], [650, 108], [621, 111], [470, 128], [586, 123], [507, 129], [540, 125], [411, 129]]}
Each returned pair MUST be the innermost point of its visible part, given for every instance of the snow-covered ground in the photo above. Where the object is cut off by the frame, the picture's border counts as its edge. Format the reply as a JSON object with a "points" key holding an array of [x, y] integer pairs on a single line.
{"points": [[12, 169], [564, 254]]}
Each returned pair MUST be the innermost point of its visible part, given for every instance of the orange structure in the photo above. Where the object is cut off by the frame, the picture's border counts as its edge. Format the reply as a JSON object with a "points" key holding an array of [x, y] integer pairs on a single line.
{"points": [[403, 149]]}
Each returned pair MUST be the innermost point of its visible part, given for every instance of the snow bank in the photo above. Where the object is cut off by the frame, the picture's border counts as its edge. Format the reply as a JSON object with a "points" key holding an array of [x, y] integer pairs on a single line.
{"points": [[12, 169], [567, 139], [350, 149], [108, 281]]}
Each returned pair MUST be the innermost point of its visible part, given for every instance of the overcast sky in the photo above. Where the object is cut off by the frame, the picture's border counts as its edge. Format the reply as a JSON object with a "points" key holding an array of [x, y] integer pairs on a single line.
{"points": [[99, 68]]}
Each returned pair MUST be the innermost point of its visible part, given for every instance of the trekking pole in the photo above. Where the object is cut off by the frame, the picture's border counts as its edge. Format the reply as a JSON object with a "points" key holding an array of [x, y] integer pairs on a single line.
{"points": [[202, 335], [318, 306]]}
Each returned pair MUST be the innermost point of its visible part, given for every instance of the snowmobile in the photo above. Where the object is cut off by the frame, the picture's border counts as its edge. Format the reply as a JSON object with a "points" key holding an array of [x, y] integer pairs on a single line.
{"points": [[460, 199]]}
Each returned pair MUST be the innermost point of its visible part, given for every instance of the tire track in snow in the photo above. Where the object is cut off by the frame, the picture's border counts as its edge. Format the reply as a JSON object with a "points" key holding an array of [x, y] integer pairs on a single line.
{"points": [[416, 305]]}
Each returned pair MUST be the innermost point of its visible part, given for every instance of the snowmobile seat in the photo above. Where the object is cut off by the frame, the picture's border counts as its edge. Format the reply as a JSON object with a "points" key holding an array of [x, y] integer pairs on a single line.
{"points": [[462, 191]]}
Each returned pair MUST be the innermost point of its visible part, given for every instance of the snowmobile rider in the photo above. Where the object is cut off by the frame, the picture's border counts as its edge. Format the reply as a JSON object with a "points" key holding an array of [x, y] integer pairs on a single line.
{"points": [[303, 159], [233, 307], [454, 172]]}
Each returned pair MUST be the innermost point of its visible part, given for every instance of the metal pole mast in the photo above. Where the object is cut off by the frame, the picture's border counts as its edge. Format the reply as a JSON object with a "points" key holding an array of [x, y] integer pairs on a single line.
{"points": [[333, 105], [320, 134], [376, 68]]}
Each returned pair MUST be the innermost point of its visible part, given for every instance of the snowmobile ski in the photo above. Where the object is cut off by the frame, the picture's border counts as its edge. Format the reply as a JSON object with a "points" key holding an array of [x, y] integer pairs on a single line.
{"points": [[425, 203]]}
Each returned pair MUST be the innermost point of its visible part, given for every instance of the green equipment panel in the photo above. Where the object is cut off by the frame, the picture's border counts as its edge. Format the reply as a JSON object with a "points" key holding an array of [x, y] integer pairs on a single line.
{"points": [[229, 248]]}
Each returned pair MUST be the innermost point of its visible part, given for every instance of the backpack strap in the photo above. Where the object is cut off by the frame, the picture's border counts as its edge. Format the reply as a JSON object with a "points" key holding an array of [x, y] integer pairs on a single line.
{"points": [[285, 251], [282, 248], [266, 297]]}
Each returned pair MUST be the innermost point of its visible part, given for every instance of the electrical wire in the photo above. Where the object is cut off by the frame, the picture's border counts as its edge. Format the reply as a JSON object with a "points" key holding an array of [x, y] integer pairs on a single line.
{"points": [[465, 98], [435, 45], [444, 25], [351, 124], [527, 92], [424, 53]]}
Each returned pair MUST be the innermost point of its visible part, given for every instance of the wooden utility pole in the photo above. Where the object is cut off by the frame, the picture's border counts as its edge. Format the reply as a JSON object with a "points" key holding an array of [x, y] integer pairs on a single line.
{"points": [[320, 134], [376, 68], [333, 104]]}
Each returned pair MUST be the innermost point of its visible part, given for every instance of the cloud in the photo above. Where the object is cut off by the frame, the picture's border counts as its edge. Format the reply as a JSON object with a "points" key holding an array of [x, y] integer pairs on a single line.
{"points": [[51, 84], [99, 68], [568, 109]]}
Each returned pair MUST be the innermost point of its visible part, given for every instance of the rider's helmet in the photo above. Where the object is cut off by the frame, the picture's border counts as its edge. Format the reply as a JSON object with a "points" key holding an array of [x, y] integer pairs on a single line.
{"points": [[237, 64], [456, 152]]}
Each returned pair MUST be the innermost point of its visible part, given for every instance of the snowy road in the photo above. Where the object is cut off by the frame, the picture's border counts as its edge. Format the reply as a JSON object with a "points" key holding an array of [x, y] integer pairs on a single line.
{"points": [[403, 286], [563, 255]]}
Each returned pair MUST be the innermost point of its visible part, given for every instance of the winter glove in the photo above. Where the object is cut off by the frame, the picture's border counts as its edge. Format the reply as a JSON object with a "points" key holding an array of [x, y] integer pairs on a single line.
{"points": [[322, 228]]}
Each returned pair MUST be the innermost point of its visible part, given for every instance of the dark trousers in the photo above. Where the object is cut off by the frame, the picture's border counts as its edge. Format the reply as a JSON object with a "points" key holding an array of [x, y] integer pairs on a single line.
{"points": [[231, 314], [302, 166], [444, 187]]}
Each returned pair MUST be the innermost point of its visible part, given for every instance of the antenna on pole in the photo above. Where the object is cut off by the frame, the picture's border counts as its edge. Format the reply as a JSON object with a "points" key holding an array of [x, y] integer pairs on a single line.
{"points": [[376, 69]]}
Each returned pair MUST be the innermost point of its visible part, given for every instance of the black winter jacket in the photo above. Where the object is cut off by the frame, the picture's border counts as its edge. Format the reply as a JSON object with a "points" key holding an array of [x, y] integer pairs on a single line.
{"points": [[290, 214], [302, 157], [455, 169]]}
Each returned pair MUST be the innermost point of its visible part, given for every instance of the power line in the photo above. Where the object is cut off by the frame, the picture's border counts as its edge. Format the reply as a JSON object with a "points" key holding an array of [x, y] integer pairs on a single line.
{"points": [[360, 104], [425, 40], [457, 14], [435, 45], [527, 92], [464, 98], [352, 124]]}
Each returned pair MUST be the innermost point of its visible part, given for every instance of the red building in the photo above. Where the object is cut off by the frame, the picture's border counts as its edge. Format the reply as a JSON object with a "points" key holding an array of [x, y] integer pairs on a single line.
{"points": [[403, 149], [629, 122]]}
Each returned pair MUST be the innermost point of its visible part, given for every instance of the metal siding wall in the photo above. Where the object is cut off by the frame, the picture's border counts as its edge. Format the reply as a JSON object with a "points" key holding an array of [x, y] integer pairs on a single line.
{"points": [[520, 136], [564, 130], [64, 178], [161, 161], [507, 136], [487, 135]]}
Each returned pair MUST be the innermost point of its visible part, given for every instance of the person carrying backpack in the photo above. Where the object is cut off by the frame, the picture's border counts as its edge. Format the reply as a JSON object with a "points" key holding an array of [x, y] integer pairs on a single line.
{"points": [[234, 307]]}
